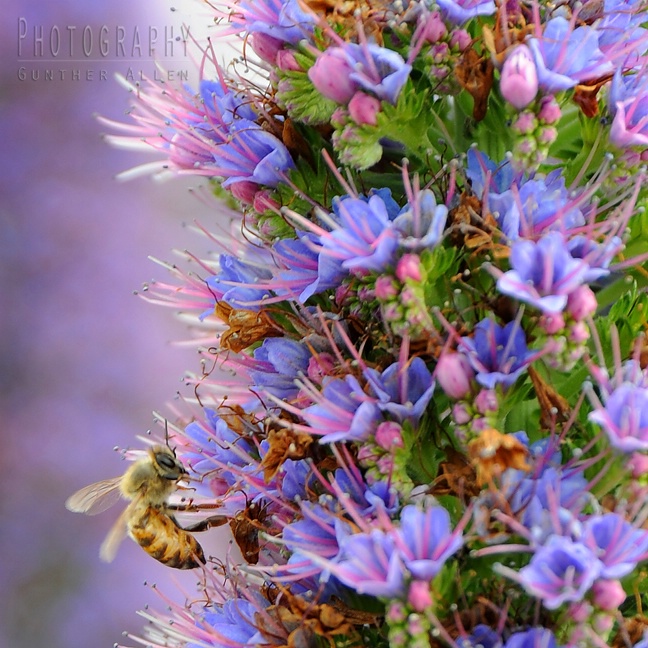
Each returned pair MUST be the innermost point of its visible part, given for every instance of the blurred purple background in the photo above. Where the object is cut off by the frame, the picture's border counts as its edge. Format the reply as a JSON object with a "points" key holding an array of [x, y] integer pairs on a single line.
{"points": [[84, 362]]}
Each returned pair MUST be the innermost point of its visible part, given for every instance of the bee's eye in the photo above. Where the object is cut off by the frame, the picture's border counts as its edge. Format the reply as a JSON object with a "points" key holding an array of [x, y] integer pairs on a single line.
{"points": [[165, 461]]}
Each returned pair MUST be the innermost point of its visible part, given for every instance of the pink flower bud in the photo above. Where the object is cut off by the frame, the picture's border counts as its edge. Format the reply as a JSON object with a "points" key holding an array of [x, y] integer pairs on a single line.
{"points": [[579, 333], [638, 465], [363, 109], [320, 366], [419, 596], [385, 288], [460, 414], [581, 303], [486, 401], [409, 267], [367, 455], [454, 374], [519, 78], [435, 28], [525, 123], [265, 46], [244, 191], [286, 61], [385, 464], [263, 201], [331, 76], [389, 435], [460, 40], [608, 594], [580, 612], [553, 323], [549, 110]]}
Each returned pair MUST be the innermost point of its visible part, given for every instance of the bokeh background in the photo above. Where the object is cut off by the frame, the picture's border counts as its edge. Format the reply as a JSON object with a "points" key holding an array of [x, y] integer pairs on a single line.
{"points": [[83, 362]]}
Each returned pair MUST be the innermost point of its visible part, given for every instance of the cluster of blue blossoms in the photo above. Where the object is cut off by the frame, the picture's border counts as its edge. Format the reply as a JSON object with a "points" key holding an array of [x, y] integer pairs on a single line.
{"points": [[424, 377]]}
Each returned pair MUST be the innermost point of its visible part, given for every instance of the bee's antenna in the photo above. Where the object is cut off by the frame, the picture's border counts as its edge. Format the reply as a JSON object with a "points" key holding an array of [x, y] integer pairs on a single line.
{"points": [[166, 433]]}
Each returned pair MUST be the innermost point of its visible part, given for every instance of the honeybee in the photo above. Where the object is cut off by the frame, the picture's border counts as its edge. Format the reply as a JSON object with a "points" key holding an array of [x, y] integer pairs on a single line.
{"points": [[147, 483]]}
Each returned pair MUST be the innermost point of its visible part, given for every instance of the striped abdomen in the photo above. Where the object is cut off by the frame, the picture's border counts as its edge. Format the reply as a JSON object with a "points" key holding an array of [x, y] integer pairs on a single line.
{"points": [[163, 539]]}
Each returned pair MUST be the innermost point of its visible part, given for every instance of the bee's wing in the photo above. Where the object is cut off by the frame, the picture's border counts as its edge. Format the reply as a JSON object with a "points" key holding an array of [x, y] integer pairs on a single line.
{"points": [[95, 498], [109, 546]]}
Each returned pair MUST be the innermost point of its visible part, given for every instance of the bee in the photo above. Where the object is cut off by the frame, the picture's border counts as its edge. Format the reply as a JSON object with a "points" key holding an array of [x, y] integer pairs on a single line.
{"points": [[147, 483]]}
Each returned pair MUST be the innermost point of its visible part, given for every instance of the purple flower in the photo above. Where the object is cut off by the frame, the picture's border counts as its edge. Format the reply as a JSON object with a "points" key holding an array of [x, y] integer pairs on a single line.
{"points": [[403, 391], [597, 255], [343, 413], [280, 361], [498, 354], [213, 445], [299, 261], [565, 56], [316, 533], [213, 133], [235, 621], [628, 105], [537, 206], [420, 224], [620, 25], [296, 478], [425, 540], [341, 71], [235, 282], [371, 565], [364, 238], [618, 544], [543, 273], [284, 20], [625, 418], [562, 570], [519, 78], [251, 154], [481, 636], [534, 638], [459, 12]]}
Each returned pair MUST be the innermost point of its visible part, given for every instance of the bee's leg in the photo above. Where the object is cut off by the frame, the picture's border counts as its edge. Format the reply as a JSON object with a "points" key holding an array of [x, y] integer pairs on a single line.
{"points": [[190, 506], [207, 523]]}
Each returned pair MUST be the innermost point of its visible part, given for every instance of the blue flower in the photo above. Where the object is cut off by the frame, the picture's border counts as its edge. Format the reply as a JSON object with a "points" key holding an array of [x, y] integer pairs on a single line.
{"points": [[340, 72], [364, 238], [420, 224], [235, 282], [621, 23], [235, 622], [498, 354], [543, 273], [371, 565], [296, 478], [459, 12], [565, 56], [560, 571], [403, 391], [344, 412], [540, 205], [425, 540], [215, 445], [280, 361], [624, 418], [597, 255], [284, 20], [534, 638], [299, 260], [628, 105], [482, 636], [618, 544]]}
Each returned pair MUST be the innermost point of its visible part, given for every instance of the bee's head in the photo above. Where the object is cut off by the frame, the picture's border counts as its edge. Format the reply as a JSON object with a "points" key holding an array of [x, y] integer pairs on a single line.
{"points": [[167, 464]]}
